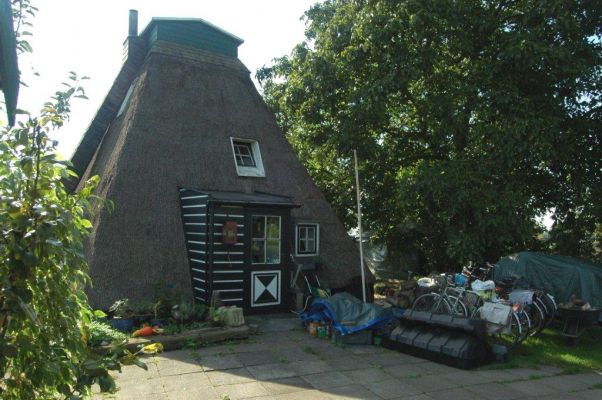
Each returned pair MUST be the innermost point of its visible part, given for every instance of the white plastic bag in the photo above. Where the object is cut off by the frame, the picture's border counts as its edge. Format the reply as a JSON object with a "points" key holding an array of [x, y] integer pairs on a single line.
{"points": [[482, 286]]}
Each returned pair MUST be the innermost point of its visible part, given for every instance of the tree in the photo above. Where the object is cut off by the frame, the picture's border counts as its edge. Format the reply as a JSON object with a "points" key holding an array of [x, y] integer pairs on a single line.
{"points": [[471, 119], [44, 314]]}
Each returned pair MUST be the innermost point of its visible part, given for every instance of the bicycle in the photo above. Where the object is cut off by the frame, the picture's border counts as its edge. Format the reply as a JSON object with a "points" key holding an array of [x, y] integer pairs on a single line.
{"points": [[452, 300]]}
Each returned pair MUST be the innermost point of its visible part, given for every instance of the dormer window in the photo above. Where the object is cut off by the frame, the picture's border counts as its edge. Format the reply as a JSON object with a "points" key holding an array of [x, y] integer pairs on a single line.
{"points": [[244, 154], [247, 157]]}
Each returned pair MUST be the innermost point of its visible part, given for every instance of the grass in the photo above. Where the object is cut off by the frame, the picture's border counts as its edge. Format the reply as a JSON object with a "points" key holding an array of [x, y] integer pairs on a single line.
{"points": [[550, 349]]}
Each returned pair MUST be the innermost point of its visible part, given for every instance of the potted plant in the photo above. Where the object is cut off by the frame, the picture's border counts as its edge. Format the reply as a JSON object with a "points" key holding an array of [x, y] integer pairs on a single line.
{"points": [[157, 308], [143, 312], [122, 315], [214, 316]]}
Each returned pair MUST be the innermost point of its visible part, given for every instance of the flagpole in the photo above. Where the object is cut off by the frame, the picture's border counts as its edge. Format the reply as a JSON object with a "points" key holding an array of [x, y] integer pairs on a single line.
{"points": [[359, 223]]}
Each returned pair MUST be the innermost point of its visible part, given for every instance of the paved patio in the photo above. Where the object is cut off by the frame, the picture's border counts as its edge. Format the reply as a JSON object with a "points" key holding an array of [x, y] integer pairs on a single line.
{"points": [[285, 363]]}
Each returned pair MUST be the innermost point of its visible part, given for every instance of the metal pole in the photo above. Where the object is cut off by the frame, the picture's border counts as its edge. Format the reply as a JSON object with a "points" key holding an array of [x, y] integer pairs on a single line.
{"points": [[359, 223]]}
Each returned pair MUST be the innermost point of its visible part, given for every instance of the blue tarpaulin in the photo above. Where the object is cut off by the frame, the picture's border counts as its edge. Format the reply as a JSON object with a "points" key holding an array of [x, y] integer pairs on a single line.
{"points": [[347, 314]]}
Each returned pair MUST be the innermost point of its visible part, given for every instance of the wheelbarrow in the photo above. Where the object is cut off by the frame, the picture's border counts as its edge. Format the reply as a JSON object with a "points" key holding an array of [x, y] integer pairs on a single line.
{"points": [[576, 321]]}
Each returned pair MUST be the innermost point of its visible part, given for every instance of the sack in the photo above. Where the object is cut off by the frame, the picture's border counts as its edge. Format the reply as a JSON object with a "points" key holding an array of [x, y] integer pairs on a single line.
{"points": [[482, 286], [498, 317]]}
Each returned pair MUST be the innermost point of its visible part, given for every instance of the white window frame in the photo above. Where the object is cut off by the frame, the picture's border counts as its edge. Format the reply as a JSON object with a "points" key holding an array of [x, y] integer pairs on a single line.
{"points": [[255, 172], [317, 239], [265, 239]]}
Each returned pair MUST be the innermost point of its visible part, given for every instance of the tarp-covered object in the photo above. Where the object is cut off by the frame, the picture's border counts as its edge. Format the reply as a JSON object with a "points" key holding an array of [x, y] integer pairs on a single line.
{"points": [[560, 276], [347, 313]]}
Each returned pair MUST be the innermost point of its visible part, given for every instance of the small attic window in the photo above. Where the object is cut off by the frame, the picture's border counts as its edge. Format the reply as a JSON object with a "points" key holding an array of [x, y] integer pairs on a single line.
{"points": [[247, 157]]}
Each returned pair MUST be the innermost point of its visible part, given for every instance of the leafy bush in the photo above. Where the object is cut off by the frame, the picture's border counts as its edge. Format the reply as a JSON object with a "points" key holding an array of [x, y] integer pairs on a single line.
{"points": [[44, 314], [102, 332]]}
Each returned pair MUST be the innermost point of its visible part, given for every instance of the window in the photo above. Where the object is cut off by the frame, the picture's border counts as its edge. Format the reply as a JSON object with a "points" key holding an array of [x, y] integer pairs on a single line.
{"points": [[247, 157], [265, 240], [244, 154], [307, 238]]}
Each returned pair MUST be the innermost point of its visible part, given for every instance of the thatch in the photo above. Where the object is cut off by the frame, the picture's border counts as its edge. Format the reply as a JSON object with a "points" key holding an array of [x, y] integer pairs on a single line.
{"points": [[185, 106]]}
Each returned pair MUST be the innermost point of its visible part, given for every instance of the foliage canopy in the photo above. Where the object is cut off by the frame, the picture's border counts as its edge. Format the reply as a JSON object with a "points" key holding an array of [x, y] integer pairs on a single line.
{"points": [[471, 118]]}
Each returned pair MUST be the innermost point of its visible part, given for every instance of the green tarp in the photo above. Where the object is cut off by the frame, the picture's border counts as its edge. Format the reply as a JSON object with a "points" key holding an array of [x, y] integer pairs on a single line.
{"points": [[560, 276]]}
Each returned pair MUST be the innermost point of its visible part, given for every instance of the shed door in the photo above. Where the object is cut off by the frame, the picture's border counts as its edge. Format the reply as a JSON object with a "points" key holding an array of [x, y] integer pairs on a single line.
{"points": [[268, 259]]}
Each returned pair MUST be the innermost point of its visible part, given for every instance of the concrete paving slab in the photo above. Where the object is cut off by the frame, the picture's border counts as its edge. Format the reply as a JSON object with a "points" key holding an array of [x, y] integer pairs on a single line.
{"points": [[495, 391], [185, 382], [592, 378], [308, 367], [495, 375], [351, 392], [362, 349], [451, 394], [229, 377], [260, 357], [406, 370], [286, 385], [529, 373], [465, 378], [532, 388], [435, 368], [302, 395], [595, 394], [217, 362], [433, 383], [170, 368], [299, 353], [414, 397], [565, 383], [133, 396], [241, 390], [346, 363], [328, 380], [367, 375], [393, 388], [383, 358], [267, 372], [154, 386]]}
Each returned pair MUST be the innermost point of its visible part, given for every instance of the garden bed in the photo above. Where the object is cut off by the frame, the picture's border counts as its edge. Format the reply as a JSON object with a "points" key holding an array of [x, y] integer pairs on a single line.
{"points": [[177, 341]]}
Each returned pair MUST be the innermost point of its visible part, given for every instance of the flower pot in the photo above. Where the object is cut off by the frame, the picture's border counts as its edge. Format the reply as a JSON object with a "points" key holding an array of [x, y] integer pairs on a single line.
{"points": [[123, 324], [156, 322]]}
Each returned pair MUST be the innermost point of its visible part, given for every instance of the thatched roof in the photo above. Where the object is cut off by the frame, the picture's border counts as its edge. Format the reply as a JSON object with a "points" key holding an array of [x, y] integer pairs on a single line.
{"points": [[185, 106]]}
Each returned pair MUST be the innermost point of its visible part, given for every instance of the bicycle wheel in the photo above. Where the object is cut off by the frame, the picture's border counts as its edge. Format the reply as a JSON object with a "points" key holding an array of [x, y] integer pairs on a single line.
{"points": [[457, 306], [431, 302], [538, 316], [515, 334], [525, 324]]}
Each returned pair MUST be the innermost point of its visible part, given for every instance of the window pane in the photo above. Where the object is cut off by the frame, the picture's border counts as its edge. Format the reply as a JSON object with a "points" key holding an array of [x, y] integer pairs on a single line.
{"points": [[273, 228], [257, 251], [258, 224], [307, 239], [311, 246], [244, 154], [273, 251]]}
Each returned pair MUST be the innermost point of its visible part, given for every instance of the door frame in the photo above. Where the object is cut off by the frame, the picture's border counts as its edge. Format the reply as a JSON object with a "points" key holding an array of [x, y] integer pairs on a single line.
{"points": [[284, 267]]}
